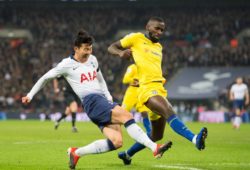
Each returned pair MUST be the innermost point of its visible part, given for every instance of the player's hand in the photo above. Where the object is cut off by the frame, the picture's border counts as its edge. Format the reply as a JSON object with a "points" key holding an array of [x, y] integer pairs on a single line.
{"points": [[126, 54], [135, 82], [25, 100], [231, 97], [56, 91]]}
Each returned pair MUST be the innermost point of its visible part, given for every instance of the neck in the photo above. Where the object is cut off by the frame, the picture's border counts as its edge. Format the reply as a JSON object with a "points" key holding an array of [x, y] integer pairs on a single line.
{"points": [[154, 40], [81, 59]]}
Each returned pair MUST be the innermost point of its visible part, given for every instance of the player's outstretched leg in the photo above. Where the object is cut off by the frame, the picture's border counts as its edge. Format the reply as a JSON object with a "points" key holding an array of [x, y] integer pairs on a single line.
{"points": [[74, 129], [179, 127], [96, 147], [73, 158], [146, 123], [161, 149], [57, 123], [158, 127], [201, 137], [137, 134], [125, 157], [162, 106], [73, 115]]}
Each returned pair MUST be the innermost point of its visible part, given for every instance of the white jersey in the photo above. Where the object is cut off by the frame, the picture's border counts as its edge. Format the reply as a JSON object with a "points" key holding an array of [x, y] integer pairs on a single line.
{"points": [[84, 78], [239, 91]]}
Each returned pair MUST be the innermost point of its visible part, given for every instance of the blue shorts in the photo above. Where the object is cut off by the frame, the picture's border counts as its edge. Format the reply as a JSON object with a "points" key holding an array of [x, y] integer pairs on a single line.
{"points": [[98, 109], [238, 104]]}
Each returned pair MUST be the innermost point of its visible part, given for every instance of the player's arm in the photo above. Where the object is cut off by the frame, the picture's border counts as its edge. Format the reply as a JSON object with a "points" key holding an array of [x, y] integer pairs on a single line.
{"points": [[123, 47], [103, 85], [135, 82], [51, 74], [56, 86], [231, 94], [246, 97], [117, 49]]}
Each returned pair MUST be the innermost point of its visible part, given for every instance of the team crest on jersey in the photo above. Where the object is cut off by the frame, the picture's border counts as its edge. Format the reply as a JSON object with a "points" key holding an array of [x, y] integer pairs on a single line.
{"points": [[154, 92], [146, 50], [92, 64]]}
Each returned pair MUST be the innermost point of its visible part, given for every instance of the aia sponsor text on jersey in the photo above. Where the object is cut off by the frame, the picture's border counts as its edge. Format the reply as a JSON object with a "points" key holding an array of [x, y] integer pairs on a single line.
{"points": [[88, 77]]}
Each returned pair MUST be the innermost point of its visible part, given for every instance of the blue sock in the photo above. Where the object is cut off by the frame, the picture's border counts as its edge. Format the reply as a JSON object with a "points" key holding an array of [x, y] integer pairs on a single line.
{"points": [[147, 125], [179, 127], [135, 148]]}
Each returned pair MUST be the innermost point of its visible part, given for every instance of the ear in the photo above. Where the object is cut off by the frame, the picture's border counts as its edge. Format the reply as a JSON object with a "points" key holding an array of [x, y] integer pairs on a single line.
{"points": [[147, 27]]}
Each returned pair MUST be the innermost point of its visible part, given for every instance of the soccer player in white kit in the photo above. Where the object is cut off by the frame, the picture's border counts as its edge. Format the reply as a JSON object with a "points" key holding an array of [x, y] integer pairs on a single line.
{"points": [[82, 72], [239, 93]]}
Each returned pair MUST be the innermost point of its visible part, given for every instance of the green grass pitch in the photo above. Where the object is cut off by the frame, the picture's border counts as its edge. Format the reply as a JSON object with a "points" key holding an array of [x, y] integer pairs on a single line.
{"points": [[35, 145]]}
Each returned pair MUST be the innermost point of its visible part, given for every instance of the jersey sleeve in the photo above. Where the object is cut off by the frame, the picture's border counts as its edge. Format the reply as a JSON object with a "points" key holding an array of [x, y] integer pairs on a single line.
{"points": [[51, 74], [246, 88], [128, 40]]}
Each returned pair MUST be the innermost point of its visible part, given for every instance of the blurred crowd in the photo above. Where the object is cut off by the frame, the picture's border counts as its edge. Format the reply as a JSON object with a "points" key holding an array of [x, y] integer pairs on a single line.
{"points": [[200, 37]]}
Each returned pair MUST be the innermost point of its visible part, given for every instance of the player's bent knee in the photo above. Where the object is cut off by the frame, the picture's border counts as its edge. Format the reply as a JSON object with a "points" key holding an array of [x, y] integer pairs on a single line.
{"points": [[128, 116], [156, 138], [169, 112], [117, 143], [159, 137]]}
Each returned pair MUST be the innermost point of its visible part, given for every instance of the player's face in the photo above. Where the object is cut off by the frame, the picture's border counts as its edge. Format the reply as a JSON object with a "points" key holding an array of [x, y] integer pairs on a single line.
{"points": [[84, 51], [239, 80], [155, 30]]}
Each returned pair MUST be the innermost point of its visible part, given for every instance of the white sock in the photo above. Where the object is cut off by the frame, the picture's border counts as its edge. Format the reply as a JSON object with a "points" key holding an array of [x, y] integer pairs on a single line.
{"points": [[234, 121], [98, 146], [238, 121], [140, 136], [194, 139]]}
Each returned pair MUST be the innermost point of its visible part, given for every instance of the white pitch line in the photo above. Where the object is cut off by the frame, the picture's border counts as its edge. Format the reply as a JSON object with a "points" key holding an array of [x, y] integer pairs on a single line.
{"points": [[247, 164], [28, 142], [177, 167], [39, 142], [214, 164]]}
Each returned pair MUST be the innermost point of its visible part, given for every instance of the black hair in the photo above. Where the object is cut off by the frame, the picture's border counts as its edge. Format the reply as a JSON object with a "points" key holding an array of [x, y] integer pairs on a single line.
{"points": [[83, 37], [159, 19]]}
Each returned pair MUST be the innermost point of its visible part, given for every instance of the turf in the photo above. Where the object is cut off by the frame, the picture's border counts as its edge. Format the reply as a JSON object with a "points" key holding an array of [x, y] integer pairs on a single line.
{"points": [[34, 145]]}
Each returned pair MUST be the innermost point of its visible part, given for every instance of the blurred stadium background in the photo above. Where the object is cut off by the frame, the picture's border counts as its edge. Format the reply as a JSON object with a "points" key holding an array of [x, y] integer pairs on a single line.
{"points": [[206, 46]]}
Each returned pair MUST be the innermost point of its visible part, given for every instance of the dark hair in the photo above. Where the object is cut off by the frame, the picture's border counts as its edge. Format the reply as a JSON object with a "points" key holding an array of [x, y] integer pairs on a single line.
{"points": [[83, 37], [159, 19]]}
